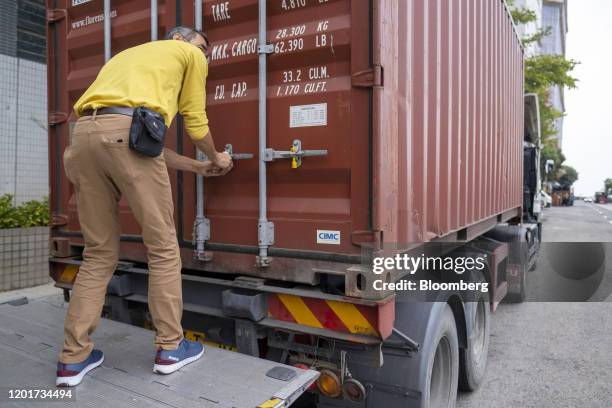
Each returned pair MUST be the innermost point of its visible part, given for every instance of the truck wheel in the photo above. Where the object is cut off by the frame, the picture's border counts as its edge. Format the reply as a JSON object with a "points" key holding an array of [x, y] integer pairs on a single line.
{"points": [[473, 358], [443, 364]]}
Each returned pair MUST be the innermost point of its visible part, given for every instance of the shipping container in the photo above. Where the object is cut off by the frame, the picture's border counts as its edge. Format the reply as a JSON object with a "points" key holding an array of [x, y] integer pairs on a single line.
{"points": [[421, 118], [384, 122]]}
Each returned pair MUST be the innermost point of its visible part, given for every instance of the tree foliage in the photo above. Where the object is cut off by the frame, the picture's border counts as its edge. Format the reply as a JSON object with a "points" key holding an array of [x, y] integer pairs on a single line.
{"points": [[569, 175], [550, 151], [544, 71], [521, 15], [608, 185]]}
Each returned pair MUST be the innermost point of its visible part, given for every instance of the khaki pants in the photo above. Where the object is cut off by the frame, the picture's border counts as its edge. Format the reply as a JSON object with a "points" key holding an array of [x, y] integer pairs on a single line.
{"points": [[102, 168]]}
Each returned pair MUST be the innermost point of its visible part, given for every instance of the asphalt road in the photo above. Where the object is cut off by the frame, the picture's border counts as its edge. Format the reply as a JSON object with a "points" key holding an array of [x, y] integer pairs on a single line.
{"points": [[555, 355]]}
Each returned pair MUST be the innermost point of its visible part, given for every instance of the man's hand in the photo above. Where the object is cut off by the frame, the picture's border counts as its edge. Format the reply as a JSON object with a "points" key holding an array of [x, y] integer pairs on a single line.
{"points": [[223, 161], [209, 169], [206, 168], [207, 145]]}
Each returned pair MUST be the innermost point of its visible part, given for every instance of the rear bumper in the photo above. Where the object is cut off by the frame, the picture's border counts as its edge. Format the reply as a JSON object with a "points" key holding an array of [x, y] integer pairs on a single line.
{"points": [[299, 309]]}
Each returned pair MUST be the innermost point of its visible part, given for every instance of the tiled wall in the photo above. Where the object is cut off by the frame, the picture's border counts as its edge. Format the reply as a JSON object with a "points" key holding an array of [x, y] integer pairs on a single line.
{"points": [[31, 171], [24, 257], [23, 102]]}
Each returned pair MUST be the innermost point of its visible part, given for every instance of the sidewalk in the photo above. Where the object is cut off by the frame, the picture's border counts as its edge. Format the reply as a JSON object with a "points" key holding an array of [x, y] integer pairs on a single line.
{"points": [[35, 292]]}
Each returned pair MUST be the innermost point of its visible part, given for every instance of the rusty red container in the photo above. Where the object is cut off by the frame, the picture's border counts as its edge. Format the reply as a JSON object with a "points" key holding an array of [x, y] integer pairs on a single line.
{"points": [[419, 104]]}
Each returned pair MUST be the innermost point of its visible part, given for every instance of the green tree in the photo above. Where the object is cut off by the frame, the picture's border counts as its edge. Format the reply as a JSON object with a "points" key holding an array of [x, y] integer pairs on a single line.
{"points": [[541, 73], [550, 151], [569, 175], [608, 185], [523, 15]]}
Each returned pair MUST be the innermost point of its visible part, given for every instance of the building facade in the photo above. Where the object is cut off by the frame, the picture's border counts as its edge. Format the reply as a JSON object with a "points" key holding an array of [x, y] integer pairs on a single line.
{"points": [[23, 100], [551, 15], [532, 28], [554, 15]]}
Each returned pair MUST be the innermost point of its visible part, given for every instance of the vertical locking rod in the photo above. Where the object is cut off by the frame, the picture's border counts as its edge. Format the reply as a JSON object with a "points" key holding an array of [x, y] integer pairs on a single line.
{"points": [[201, 228], [107, 30], [265, 229], [154, 27]]}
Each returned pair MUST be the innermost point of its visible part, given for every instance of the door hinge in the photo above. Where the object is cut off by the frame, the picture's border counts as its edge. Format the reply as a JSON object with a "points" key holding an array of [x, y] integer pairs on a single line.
{"points": [[369, 78], [57, 117], [58, 220], [54, 15], [373, 238]]}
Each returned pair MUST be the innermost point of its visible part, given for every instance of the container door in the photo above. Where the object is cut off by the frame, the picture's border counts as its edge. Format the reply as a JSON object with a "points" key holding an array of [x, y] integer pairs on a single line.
{"points": [[75, 56], [319, 46]]}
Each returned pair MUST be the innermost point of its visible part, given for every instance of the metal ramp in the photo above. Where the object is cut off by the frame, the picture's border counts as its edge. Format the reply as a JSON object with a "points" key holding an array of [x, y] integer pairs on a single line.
{"points": [[31, 336]]}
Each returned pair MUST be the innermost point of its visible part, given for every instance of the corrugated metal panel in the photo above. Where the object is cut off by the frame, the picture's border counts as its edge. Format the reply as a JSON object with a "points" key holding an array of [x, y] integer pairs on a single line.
{"points": [[458, 130], [444, 150]]}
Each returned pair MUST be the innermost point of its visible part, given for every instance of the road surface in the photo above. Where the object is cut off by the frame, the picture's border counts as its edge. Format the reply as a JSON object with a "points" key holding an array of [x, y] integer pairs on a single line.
{"points": [[556, 355]]}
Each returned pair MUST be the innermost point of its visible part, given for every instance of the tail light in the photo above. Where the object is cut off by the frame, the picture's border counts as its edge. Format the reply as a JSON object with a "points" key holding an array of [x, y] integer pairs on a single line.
{"points": [[353, 390], [329, 384]]}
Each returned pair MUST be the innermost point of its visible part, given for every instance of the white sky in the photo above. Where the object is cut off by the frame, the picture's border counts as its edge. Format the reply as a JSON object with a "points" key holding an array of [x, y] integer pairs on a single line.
{"points": [[587, 138]]}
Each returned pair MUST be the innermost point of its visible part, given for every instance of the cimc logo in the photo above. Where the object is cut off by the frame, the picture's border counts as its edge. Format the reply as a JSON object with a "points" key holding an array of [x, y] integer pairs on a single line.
{"points": [[328, 237]]}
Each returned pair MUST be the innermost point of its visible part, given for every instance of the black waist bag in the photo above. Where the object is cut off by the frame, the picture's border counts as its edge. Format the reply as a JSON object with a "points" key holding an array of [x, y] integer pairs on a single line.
{"points": [[147, 132]]}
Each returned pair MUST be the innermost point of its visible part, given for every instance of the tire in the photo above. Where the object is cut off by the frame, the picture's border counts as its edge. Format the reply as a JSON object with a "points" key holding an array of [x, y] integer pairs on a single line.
{"points": [[473, 358], [443, 364]]}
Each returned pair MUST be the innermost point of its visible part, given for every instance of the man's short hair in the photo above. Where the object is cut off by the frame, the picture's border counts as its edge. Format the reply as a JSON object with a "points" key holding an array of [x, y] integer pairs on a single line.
{"points": [[187, 33]]}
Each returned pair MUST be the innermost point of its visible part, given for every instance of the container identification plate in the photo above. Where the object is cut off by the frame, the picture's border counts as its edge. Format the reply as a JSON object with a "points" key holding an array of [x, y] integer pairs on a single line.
{"points": [[328, 237], [308, 115]]}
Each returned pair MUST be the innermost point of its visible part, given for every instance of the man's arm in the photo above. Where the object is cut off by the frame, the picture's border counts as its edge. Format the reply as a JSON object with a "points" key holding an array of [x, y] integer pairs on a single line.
{"points": [[192, 106], [178, 162], [207, 146]]}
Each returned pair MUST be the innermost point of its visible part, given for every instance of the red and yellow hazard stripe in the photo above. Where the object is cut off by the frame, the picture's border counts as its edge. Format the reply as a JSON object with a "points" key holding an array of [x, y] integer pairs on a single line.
{"points": [[63, 274], [325, 314]]}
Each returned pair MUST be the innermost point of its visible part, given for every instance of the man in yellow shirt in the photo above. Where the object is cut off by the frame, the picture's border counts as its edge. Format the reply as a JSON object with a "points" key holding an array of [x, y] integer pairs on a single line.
{"points": [[168, 77]]}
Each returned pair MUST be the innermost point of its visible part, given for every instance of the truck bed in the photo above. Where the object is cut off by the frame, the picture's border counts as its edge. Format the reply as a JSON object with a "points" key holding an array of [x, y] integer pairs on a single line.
{"points": [[31, 335]]}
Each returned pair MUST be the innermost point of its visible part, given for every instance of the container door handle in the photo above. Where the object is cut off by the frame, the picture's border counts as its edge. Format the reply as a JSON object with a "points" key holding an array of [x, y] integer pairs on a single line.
{"points": [[229, 149]]}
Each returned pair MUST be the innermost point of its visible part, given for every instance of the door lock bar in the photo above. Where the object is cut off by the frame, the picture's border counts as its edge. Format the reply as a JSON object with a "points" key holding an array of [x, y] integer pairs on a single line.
{"points": [[295, 154], [229, 149]]}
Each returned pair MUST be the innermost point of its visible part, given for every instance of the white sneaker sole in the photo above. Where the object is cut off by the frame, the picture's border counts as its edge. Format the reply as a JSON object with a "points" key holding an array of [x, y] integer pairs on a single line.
{"points": [[170, 368], [76, 379]]}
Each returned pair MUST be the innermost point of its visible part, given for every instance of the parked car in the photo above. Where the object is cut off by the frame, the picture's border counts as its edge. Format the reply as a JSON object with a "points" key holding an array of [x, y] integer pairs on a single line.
{"points": [[546, 199]]}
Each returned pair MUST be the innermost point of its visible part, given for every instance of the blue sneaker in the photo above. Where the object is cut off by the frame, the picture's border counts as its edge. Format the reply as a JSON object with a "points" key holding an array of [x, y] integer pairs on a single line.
{"points": [[69, 375], [168, 361]]}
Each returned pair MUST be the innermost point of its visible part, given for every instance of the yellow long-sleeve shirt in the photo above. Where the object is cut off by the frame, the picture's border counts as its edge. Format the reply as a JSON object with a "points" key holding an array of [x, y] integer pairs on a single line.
{"points": [[166, 76]]}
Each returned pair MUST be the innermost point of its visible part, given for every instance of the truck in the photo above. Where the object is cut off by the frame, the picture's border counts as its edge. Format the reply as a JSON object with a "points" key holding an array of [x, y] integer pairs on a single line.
{"points": [[532, 146], [601, 197], [357, 128]]}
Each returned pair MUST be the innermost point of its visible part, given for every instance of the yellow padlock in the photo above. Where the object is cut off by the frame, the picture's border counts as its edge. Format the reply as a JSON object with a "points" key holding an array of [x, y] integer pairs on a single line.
{"points": [[294, 160]]}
